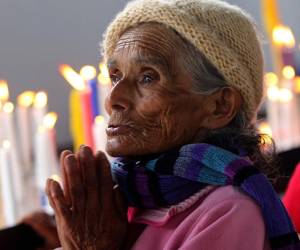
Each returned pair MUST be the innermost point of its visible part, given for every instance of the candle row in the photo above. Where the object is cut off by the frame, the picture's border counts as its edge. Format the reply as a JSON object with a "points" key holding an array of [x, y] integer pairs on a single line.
{"points": [[27, 151], [88, 118]]}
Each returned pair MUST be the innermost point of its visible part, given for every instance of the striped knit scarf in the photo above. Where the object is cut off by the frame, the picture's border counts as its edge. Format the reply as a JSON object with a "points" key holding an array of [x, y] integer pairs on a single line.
{"points": [[170, 178]]}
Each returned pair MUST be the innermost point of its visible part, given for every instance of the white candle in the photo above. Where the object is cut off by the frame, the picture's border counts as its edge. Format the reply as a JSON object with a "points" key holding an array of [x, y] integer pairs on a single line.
{"points": [[9, 128], [99, 133], [7, 190], [25, 100], [46, 162], [4, 95], [39, 110]]}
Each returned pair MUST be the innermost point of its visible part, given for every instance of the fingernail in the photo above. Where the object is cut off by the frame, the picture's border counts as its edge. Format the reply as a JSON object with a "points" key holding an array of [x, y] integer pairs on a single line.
{"points": [[71, 159]]}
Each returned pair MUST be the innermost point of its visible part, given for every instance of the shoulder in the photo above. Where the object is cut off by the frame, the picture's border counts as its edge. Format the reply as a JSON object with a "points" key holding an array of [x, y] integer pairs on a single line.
{"points": [[227, 218], [229, 201]]}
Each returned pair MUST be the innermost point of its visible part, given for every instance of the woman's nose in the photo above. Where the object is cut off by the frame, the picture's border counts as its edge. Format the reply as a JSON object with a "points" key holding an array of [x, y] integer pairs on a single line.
{"points": [[119, 97]]}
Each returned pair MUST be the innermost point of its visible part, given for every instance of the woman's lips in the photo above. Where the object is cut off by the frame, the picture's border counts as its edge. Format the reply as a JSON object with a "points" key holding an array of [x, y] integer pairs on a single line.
{"points": [[117, 130]]}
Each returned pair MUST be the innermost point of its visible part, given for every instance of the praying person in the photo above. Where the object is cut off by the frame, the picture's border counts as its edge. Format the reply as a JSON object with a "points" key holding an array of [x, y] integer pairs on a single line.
{"points": [[189, 171]]}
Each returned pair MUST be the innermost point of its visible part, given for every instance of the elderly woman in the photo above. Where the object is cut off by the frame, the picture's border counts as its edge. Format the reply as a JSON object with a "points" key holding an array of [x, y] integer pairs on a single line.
{"points": [[186, 86]]}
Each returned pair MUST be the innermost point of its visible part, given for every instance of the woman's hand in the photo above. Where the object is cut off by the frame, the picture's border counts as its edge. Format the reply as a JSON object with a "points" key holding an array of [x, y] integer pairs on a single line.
{"points": [[89, 213]]}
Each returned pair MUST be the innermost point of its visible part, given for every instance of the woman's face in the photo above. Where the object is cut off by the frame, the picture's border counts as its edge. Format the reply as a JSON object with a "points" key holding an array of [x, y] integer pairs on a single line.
{"points": [[151, 105]]}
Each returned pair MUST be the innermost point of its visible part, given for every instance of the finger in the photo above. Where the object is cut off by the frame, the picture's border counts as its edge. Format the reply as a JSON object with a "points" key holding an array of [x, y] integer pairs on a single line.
{"points": [[73, 174], [106, 182], [87, 165], [57, 198], [64, 179], [121, 202], [52, 204]]}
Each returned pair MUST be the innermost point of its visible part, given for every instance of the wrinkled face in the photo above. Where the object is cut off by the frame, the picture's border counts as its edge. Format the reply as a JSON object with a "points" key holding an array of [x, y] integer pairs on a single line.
{"points": [[151, 105]]}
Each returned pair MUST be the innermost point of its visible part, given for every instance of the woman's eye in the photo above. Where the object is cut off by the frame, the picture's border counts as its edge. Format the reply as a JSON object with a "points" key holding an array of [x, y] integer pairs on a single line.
{"points": [[147, 79], [115, 78]]}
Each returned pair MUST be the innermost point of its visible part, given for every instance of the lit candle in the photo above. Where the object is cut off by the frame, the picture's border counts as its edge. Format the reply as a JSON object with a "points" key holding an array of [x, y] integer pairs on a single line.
{"points": [[8, 201], [46, 162], [4, 95], [99, 133], [271, 82], [284, 40], [88, 73], [25, 101], [39, 109], [286, 119], [9, 127], [78, 83], [105, 87]]}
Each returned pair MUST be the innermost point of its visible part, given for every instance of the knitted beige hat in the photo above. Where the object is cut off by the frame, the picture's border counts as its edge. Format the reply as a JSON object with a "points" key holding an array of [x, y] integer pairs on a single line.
{"points": [[224, 33]]}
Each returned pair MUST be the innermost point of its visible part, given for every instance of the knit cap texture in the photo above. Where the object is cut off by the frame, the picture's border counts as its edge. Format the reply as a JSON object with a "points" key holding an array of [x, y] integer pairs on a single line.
{"points": [[224, 33]]}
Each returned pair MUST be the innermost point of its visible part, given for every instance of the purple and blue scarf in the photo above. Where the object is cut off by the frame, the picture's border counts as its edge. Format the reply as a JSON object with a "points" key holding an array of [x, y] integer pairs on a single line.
{"points": [[167, 179]]}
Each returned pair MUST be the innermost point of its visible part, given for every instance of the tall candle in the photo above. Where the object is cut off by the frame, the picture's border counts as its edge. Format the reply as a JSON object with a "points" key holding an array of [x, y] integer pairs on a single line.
{"points": [[39, 109], [78, 83], [88, 73], [46, 162], [76, 125], [25, 100], [4, 95], [8, 201], [9, 128]]}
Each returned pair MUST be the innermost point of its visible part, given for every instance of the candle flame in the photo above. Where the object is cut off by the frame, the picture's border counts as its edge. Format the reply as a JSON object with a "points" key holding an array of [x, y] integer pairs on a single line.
{"points": [[26, 98], [8, 107], [50, 120], [72, 77], [4, 93], [99, 119], [273, 93], [285, 95], [103, 77], [288, 72], [40, 99], [283, 36], [6, 144], [88, 72]]}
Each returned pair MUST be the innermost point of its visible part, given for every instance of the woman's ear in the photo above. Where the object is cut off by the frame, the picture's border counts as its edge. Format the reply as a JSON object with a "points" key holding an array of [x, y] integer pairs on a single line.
{"points": [[223, 106]]}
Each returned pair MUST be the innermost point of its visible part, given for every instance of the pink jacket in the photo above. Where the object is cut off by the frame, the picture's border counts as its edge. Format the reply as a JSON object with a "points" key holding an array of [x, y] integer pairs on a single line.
{"points": [[214, 219]]}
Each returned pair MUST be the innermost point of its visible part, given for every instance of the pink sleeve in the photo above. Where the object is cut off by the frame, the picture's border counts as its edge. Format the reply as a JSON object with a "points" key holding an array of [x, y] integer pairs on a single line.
{"points": [[230, 225]]}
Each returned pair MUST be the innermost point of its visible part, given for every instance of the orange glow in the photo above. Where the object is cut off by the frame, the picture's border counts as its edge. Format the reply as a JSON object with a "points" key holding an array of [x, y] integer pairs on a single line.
{"points": [[283, 36], [72, 77], [288, 72], [40, 99], [26, 99], [88, 72], [265, 129], [50, 120], [297, 85], [271, 79], [8, 107], [4, 93]]}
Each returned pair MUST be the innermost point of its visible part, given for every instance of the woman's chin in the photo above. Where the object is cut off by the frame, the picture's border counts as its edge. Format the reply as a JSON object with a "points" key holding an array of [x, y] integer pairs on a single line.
{"points": [[122, 148]]}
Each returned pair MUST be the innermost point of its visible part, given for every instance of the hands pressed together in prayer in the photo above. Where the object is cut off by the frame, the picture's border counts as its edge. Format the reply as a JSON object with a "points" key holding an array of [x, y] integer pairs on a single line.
{"points": [[89, 212]]}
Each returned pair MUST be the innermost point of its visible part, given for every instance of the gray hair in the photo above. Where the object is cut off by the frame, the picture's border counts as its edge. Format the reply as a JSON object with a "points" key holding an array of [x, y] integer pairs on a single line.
{"points": [[239, 136]]}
